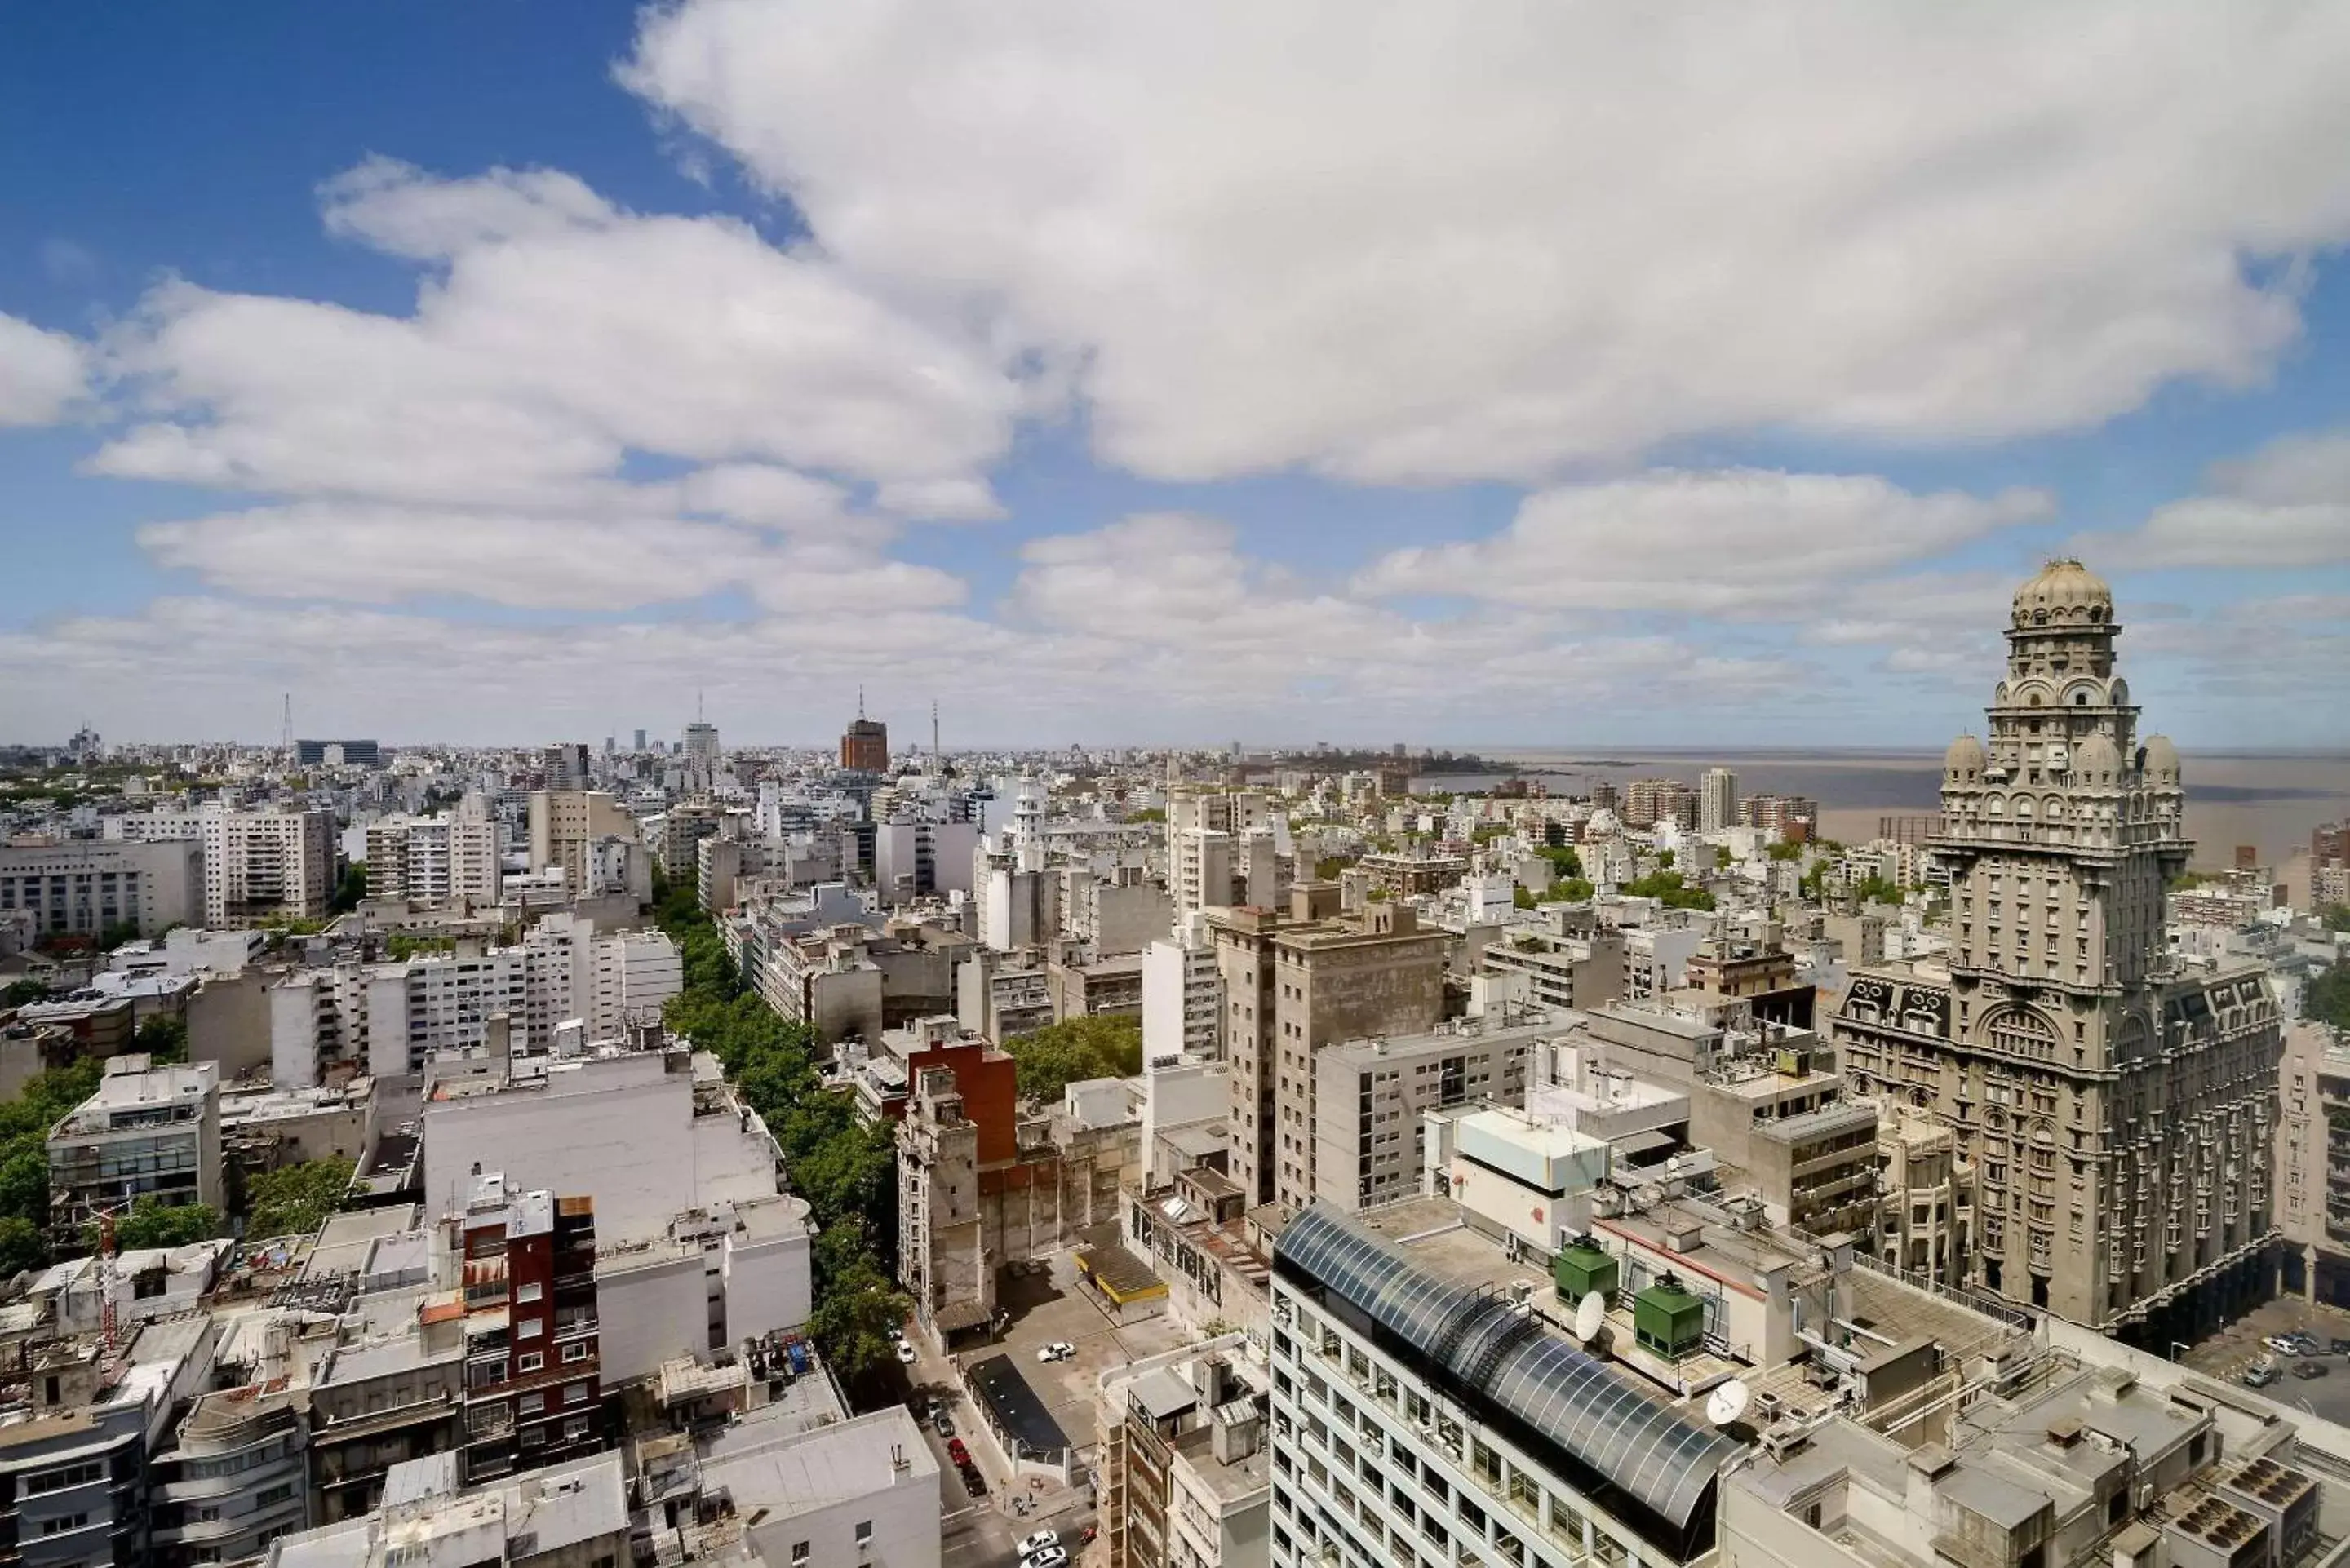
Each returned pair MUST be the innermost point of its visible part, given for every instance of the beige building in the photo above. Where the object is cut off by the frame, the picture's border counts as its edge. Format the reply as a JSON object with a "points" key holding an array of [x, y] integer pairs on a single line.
{"points": [[565, 827], [260, 864], [1295, 983], [2314, 1082], [1220, 849], [2117, 1110], [448, 859], [1186, 1462], [1368, 1138]]}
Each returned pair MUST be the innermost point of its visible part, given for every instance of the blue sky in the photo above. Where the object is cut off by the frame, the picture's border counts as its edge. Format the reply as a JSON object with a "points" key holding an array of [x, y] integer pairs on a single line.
{"points": [[1336, 372]]}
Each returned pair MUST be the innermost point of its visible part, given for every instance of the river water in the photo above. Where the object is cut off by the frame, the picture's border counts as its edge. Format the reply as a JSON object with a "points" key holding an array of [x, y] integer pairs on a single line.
{"points": [[2268, 800]]}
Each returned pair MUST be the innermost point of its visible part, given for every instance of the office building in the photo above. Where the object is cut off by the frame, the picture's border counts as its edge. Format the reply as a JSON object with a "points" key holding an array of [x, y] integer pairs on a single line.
{"points": [[266, 865], [638, 745], [454, 858], [2116, 1108], [1717, 805], [87, 888], [702, 762], [1417, 1411], [146, 1132], [338, 754], [865, 744]]}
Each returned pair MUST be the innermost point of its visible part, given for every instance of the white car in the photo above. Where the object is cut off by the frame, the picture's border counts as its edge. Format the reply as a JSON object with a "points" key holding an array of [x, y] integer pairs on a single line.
{"points": [[1039, 1541], [905, 1353], [1059, 1350], [2282, 1344], [1051, 1557]]}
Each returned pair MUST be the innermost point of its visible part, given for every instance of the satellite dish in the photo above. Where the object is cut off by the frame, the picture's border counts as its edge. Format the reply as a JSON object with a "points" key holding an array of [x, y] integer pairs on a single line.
{"points": [[1727, 1403], [1590, 1314]]}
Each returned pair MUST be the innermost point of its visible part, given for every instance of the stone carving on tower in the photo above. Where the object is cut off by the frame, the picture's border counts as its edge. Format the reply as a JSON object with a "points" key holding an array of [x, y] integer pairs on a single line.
{"points": [[2114, 1108]]}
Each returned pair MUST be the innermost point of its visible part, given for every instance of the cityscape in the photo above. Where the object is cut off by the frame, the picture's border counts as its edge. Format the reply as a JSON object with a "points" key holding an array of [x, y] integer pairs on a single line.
{"points": [[911, 787]]}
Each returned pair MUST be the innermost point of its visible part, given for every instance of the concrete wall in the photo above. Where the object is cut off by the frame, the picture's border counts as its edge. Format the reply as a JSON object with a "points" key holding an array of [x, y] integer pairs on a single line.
{"points": [[631, 1148], [229, 1022], [769, 1284], [650, 1312]]}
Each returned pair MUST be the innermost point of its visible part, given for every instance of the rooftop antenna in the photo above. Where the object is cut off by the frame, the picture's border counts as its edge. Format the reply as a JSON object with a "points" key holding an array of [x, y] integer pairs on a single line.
{"points": [[934, 732], [861, 699]]}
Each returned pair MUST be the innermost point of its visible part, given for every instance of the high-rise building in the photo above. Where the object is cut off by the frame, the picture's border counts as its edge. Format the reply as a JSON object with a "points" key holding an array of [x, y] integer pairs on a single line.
{"points": [[702, 758], [566, 829], [1648, 802], [565, 766], [865, 744], [533, 1385], [1717, 805], [2116, 1108], [1221, 851], [2329, 844], [259, 864], [1415, 1401], [1791, 817], [640, 744], [85, 887], [1297, 982], [145, 1133], [446, 859], [338, 753]]}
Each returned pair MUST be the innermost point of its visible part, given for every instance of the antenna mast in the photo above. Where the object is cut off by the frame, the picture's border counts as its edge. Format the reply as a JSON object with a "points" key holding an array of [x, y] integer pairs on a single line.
{"points": [[937, 760], [106, 1325], [286, 738]]}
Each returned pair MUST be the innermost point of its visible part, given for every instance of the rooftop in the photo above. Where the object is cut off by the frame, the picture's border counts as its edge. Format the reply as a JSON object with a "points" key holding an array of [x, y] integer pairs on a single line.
{"points": [[763, 1465]]}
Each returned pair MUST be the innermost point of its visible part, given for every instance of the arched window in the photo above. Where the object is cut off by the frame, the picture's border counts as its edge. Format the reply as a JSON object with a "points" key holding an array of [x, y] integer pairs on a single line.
{"points": [[2080, 699]]}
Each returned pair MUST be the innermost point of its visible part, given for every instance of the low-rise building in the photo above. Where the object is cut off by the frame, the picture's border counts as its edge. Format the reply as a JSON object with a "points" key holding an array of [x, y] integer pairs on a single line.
{"points": [[1185, 1466], [146, 1132], [568, 1515]]}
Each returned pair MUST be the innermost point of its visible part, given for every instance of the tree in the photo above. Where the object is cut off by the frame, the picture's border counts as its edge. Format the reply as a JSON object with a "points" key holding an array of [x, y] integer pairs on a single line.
{"points": [[1573, 889], [1665, 859], [296, 1200], [1875, 889], [2326, 997], [1784, 850], [1521, 898], [2336, 917], [152, 1222], [19, 991], [1721, 858], [350, 889], [1669, 890], [856, 1306], [164, 1036], [21, 1246], [1564, 860], [1051, 1058]]}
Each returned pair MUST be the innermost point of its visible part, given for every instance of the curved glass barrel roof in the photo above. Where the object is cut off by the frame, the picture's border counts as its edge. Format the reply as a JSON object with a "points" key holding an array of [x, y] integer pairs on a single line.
{"points": [[1485, 1352]]}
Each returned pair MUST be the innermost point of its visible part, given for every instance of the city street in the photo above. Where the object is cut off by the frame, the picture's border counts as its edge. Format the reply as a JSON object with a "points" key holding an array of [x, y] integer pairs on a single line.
{"points": [[2229, 1351]]}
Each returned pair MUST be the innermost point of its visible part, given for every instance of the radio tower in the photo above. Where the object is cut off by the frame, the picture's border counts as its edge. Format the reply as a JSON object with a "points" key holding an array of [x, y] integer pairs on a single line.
{"points": [[938, 759], [285, 736]]}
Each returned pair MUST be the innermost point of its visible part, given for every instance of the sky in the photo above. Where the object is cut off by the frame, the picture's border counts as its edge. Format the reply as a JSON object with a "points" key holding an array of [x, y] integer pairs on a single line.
{"points": [[1482, 374]]}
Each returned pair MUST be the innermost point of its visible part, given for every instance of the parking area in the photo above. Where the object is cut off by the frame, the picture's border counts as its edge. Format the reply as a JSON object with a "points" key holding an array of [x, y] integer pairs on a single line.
{"points": [[1052, 1302], [2228, 1353]]}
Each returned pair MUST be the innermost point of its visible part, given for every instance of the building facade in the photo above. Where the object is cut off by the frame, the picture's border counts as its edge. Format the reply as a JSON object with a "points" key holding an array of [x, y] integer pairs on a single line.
{"points": [[86, 887], [260, 864], [146, 1133], [2117, 1108]]}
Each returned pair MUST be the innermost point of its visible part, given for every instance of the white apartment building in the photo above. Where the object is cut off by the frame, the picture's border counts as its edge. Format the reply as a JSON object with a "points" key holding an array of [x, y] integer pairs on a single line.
{"points": [[392, 1017], [147, 1131], [82, 887], [1182, 996], [863, 1490], [436, 859], [697, 1250], [259, 864], [1420, 1416], [1717, 801], [1220, 849]]}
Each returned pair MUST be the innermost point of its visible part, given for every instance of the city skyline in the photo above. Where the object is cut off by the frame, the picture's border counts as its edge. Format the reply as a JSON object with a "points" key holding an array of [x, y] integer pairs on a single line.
{"points": [[598, 362]]}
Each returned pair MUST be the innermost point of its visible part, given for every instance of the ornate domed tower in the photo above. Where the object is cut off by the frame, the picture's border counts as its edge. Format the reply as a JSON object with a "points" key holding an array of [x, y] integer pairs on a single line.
{"points": [[2116, 1110]]}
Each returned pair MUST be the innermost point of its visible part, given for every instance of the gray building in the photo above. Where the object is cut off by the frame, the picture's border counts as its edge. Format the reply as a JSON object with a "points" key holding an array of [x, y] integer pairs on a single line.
{"points": [[83, 887], [146, 1132], [1370, 1095]]}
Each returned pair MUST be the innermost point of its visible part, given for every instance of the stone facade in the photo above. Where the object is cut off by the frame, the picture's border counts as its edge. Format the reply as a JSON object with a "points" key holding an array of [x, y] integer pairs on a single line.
{"points": [[2115, 1109]]}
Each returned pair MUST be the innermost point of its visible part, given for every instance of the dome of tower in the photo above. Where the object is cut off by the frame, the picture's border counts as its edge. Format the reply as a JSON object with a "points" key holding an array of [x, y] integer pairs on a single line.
{"points": [[2096, 760], [2064, 590], [2161, 760], [1964, 759]]}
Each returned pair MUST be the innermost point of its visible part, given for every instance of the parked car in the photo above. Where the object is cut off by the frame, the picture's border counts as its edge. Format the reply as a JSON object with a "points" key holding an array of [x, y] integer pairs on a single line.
{"points": [[2260, 1376], [2338, 1347], [974, 1483], [1059, 1350], [1051, 1557], [958, 1453], [2282, 1344], [943, 1422], [1039, 1541], [2309, 1369], [905, 1354]]}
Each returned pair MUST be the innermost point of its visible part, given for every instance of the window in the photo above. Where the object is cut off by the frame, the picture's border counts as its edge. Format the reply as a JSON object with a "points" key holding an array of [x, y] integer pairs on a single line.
{"points": [[577, 1351], [64, 1523], [575, 1429], [276, 1494], [532, 1404], [575, 1394], [528, 1292], [864, 1531], [800, 1550], [531, 1361], [530, 1328], [58, 1480]]}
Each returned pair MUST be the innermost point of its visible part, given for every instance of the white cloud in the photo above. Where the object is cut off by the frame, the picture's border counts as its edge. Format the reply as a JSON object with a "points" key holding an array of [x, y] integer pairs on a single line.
{"points": [[940, 499], [2287, 506], [763, 494], [1722, 542], [561, 336], [1409, 241], [397, 208], [43, 374]]}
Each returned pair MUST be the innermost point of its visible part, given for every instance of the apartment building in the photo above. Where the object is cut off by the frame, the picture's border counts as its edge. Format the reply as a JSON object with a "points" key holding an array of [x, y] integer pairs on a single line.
{"points": [[532, 1383], [146, 1132], [1371, 1096], [261, 865], [1418, 1414], [439, 860], [574, 1514], [1220, 852], [87, 888], [585, 833], [1292, 983], [1182, 998], [1185, 1461], [1553, 969], [1717, 803]]}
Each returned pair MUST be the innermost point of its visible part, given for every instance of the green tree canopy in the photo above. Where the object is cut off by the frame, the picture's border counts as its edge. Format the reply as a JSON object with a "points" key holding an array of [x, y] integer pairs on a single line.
{"points": [[1669, 888], [151, 1223], [2326, 997], [350, 889], [1051, 1058], [163, 1036], [296, 1200]]}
